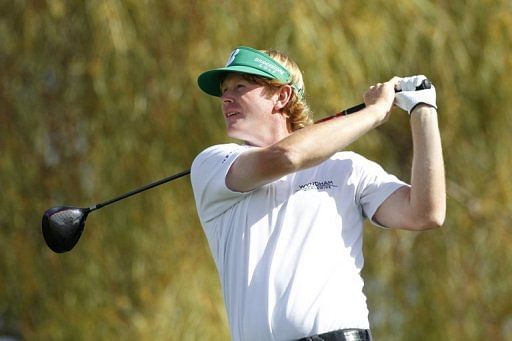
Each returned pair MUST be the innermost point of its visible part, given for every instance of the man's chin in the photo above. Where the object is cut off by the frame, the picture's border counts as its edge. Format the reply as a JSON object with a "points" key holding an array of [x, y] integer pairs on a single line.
{"points": [[235, 133]]}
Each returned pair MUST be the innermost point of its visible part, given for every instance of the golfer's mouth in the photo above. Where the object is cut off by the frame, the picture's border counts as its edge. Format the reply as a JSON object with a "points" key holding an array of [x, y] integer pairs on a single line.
{"points": [[232, 114]]}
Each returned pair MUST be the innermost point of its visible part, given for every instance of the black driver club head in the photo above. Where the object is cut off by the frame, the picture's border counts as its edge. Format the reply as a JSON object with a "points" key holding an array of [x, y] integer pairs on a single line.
{"points": [[62, 227]]}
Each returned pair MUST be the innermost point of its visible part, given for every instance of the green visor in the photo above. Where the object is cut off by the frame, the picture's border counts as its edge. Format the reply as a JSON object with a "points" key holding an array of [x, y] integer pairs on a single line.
{"points": [[244, 59]]}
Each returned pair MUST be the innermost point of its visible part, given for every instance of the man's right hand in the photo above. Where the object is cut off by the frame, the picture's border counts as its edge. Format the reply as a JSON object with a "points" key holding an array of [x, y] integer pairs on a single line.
{"points": [[380, 98]]}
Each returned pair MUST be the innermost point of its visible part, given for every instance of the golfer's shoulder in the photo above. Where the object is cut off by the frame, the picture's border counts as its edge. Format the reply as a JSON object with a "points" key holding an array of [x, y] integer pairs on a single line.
{"points": [[217, 149], [215, 154], [350, 161], [348, 156], [361, 166]]}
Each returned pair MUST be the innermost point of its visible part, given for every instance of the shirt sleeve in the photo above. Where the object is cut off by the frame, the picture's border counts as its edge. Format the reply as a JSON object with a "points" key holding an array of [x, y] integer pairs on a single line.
{"points": [[208, 177], [374, 186]]}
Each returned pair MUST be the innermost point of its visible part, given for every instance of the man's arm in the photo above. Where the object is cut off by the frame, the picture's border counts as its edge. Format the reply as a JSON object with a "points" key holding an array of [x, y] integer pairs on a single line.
{"points": [[311, 145], [423, 205]]}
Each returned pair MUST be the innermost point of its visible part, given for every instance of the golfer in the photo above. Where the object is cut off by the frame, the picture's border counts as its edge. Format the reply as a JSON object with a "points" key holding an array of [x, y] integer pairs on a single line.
{"points": [[283, 211]]}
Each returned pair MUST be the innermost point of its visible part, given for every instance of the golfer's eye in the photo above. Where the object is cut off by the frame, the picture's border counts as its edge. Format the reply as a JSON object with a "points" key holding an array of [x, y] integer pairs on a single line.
{"points": [[240, 87], [237, 87], [223, 90]]}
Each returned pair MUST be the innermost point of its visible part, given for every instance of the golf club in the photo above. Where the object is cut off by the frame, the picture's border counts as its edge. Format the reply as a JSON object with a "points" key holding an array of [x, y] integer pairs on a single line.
{"points": [[63, 225]]}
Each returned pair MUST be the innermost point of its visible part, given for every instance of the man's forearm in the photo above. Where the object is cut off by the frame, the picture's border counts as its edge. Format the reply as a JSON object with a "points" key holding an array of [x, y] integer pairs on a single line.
{"points": [[314, 144], [428, 192]]}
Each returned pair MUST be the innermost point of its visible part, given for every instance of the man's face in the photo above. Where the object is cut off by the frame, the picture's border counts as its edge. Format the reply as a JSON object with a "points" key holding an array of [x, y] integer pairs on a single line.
{"points": [[248, 110]]}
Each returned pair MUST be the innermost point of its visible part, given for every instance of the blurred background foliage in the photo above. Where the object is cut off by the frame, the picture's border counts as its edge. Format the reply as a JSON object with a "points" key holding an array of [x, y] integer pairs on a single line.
{"points": [[99, 97]]}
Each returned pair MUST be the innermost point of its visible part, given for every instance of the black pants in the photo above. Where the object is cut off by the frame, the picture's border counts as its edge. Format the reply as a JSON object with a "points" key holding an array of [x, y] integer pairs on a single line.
{"points": [[342, 335]]}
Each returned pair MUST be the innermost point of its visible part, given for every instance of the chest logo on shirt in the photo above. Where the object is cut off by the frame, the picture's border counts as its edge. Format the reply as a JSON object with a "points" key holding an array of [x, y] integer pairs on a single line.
{"points": [[317, 185]]}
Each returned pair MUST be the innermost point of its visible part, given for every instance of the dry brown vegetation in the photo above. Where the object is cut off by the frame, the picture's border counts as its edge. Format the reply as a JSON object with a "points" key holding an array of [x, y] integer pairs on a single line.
{"points": [[99, 97]]}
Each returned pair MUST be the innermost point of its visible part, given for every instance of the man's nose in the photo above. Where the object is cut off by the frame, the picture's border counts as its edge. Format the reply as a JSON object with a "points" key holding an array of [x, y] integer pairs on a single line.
{"points": [[226, 97]]}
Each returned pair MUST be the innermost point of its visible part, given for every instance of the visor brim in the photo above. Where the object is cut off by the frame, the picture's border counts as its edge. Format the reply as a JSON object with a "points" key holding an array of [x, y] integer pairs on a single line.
{"points": [[209, 81]]}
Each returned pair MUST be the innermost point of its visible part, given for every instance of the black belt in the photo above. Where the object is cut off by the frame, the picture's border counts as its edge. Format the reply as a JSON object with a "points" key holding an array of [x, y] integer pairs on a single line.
{"points": [[342, 335]]}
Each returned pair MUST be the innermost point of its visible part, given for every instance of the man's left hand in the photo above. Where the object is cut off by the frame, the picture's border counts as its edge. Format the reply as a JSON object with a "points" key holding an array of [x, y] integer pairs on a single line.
{"points": [[408, 97]]}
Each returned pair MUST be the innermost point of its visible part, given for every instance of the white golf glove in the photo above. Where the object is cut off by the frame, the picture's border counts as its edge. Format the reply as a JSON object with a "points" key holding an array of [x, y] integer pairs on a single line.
{"points": [[408, 97]]}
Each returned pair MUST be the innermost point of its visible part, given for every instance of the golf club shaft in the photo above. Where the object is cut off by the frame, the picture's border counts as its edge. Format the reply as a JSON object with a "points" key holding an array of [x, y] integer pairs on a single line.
{"points": [[424, 85], [141, 189], [345, 112]]}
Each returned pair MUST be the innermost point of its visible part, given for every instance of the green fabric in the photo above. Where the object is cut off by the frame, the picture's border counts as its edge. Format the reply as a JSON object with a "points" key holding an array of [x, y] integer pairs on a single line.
{"points": [[247, 60]]}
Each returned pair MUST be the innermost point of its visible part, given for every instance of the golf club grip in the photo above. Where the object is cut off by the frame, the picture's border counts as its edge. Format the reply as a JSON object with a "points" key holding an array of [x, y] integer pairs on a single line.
{"points": [[426, 84]]}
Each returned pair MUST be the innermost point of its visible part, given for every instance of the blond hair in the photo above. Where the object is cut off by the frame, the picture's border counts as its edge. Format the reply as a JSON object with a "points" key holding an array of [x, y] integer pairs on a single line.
{"points": [[297, 110]]}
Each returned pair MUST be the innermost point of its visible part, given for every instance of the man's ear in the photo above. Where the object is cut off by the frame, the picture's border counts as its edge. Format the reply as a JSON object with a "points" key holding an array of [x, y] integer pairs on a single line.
{"points": [[283, 97]]}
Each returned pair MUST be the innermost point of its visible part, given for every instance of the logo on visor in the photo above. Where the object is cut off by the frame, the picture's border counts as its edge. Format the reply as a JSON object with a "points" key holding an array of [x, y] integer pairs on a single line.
{"points": [[263, 64], [232, 57]]}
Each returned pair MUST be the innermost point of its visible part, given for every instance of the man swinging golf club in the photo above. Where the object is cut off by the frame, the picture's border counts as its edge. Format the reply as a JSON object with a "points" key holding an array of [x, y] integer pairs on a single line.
{"points": [[283, 212]]}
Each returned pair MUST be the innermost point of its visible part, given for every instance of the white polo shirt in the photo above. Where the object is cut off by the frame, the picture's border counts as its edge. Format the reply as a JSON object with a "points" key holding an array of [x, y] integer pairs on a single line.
{"points": [[289, 254]]}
